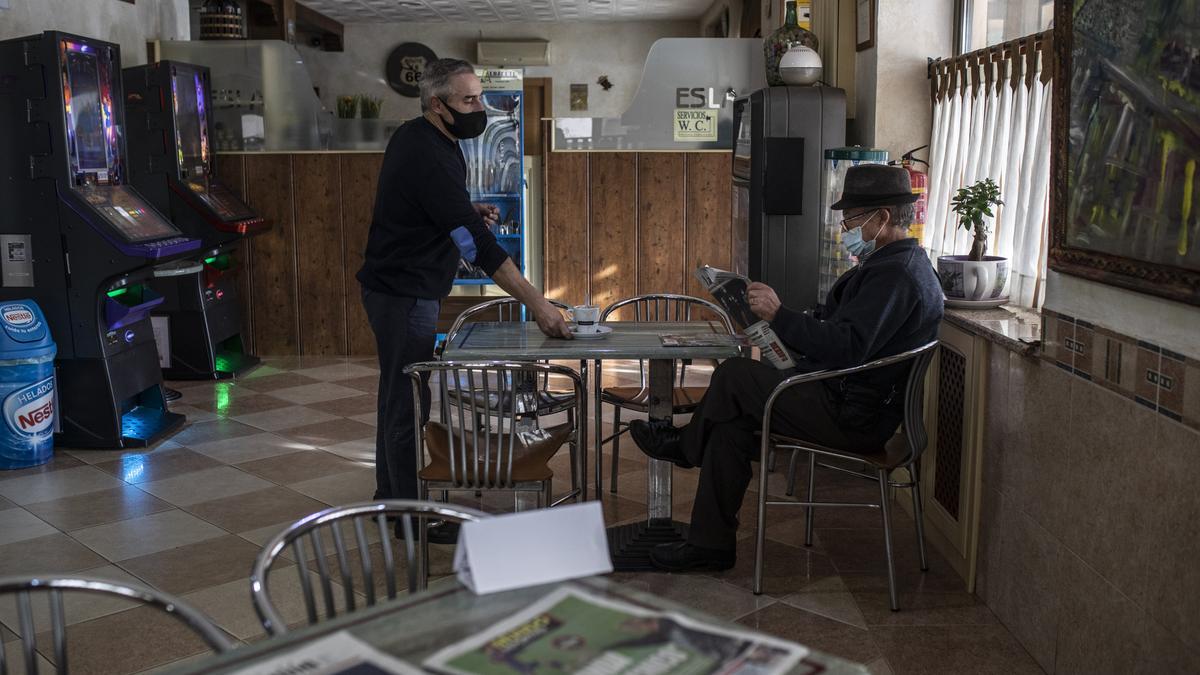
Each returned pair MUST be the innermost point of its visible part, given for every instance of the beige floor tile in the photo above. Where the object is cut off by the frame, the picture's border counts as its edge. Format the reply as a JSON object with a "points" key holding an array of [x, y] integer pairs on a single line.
{"points": [[280, 380], [315, 393], [147, 534], [367, 383], [365, 404], [98, 508], [99, 456], [58, 462], [337, 371], [254, 510], [986, 650], [329, 433], [925, 609], [836, 605], [371, 418], [195, 566], [297, 467], [246, 405], [194, 414], [285, 417], [126, 642], [205, 485], [78, 606], [713, 597], [52, 554], [264, 534], [262, 370], [158, 466], [362, 451], [344, 488], [786, 569], [880, 666], [17, 524], [249, 448], [203, 433], [16, 664], [44, 487], [230, 607], [179, 664], [815, 632]]}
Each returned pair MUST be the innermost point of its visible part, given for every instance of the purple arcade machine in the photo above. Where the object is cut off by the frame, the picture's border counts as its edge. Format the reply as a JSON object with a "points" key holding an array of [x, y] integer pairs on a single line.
{"points": [[79, 240]]}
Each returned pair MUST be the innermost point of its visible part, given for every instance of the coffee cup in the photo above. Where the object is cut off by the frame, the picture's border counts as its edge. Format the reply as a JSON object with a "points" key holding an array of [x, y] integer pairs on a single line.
{"points": [[586, 318]]}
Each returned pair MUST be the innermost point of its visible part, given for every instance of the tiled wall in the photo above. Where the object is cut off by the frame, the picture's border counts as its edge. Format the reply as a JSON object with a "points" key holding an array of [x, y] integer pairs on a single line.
{"points": [[1090, 532]]}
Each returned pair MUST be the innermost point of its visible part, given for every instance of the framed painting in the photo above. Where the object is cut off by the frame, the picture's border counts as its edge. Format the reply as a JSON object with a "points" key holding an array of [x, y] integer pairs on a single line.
{"points": [[864, 25], [1126, 143]]}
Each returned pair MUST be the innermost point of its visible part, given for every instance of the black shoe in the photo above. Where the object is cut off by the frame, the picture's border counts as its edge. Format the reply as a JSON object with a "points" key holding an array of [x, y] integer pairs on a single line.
{"points": [[438, 532], [659, 440], [683, 557]]}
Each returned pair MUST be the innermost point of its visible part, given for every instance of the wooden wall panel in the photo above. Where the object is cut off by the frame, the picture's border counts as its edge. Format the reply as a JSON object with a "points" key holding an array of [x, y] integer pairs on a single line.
{"points": [[320, 264], [709, 215], [360, 174], [613, 217], [565, 238], [273, 265], [231, 171], [660, 196]]}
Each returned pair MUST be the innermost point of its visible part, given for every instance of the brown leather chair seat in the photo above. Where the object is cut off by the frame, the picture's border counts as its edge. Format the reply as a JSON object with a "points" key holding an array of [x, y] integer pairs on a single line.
{"points": [[531, 453]]}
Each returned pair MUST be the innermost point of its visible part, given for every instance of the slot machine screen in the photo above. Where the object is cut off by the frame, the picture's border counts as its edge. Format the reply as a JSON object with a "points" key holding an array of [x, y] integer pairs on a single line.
{"points": [[127, 213], [223, 202], [188, 90], [86, 112]]}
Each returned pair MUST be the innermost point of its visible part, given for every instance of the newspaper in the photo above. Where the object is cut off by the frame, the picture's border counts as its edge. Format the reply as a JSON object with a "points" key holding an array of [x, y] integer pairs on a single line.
{"points": [[572, 631], [337, 654], [729, 289]]}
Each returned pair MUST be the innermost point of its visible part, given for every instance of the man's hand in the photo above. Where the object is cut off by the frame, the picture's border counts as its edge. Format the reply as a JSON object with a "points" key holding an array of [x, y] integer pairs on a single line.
{"points": [[550, 321], [489, 212], [763, 301]]}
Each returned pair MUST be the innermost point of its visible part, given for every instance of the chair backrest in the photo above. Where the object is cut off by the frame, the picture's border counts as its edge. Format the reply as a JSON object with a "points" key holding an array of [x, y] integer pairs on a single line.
{"points": [[500, 309], [668, 307], [324, 539], [914, 400], [509, 391], [53, 587]]}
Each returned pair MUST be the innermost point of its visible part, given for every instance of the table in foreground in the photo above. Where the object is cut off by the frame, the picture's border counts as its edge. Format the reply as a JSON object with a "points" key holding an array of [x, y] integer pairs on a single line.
{"points": [[630, 544], [415, 627]]}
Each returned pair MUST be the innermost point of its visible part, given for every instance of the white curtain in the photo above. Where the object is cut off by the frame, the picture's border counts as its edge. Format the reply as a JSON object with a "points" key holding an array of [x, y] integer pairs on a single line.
{"points": [[991, 119]]}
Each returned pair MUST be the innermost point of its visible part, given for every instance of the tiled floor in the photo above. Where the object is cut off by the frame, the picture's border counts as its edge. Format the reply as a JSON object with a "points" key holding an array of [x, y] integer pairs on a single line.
{"points": [[189, 515]]}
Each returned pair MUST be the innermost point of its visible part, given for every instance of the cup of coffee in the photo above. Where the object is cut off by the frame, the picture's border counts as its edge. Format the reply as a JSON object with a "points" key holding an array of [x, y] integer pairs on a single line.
{"points": [[586, 318]]}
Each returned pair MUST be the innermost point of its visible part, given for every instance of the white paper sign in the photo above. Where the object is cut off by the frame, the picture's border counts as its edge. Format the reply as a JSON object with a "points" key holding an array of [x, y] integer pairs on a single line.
{"points": [[532, 548]]}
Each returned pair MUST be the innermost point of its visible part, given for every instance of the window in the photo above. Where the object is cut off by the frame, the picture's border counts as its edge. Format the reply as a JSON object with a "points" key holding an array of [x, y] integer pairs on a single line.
{"points": [[990, 22]]}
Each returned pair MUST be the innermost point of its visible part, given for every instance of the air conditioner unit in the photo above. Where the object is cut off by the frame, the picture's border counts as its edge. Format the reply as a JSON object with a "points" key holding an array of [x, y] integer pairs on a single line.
{"points": [[512, 53]]}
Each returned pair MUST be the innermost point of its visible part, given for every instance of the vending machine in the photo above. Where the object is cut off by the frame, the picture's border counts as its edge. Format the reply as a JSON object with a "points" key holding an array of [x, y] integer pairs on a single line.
{"points": [[780, 135], [168, 108], [496, 166], [79, 240]]}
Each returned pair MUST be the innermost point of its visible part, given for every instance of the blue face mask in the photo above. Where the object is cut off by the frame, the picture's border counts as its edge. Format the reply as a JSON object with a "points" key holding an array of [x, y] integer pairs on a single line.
{"points": [[853, 242]]}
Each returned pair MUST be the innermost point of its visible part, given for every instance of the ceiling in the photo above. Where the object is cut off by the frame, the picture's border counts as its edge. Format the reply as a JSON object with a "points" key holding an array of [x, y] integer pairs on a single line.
{"points": [[483, 11]]}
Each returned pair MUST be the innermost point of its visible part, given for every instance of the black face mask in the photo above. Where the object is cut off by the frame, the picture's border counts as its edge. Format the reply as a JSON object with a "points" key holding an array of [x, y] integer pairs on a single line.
{"points": [[466, 124]]}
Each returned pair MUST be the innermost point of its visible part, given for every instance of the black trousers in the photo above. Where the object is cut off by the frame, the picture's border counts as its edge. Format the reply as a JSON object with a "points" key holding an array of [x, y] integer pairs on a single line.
{"points": [[405, 333], [722, 439]]}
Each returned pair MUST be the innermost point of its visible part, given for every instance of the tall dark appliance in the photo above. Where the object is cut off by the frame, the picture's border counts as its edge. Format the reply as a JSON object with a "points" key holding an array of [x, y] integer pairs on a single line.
{"points": [[780, 135], [79, 240], [171, 162]]}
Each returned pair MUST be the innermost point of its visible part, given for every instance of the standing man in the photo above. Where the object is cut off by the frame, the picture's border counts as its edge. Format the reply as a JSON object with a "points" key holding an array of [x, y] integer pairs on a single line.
{"points": [[424, 222]]}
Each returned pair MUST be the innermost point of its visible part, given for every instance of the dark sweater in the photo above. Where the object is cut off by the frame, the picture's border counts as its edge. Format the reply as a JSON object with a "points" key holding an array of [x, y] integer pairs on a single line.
{"points": [[424, 220], [889, 304]]}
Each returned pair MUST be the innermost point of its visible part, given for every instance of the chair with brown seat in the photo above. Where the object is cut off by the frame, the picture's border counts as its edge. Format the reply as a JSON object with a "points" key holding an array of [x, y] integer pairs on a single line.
{"points": [[684, 399], [466, 452], [903, 451]]}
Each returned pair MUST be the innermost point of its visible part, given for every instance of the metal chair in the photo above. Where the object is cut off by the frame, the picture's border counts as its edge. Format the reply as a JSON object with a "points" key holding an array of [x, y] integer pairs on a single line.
{"points": [[333, 526], [651, 307], [465, 454], [54, 587], [902, 452]]}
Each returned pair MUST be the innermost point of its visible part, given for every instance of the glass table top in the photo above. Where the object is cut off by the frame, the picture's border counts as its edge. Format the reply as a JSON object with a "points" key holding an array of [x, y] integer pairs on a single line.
{"points": [[522, 340]]}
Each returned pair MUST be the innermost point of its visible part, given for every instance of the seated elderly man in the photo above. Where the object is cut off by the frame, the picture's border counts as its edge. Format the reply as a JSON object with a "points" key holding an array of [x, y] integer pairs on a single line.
{"points": [[889, 303]]}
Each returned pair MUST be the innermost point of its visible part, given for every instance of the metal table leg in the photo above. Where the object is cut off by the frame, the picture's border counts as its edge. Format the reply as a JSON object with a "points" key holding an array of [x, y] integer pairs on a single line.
{"points": [[630, 544]]}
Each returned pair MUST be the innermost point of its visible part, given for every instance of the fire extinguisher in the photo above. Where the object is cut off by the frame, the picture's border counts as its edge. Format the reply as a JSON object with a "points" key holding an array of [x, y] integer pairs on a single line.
{"points": [[920, 185]]}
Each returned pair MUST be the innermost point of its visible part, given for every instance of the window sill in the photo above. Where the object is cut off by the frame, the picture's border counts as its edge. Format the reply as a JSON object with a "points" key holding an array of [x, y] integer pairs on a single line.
{"points": [[1011, 327]]}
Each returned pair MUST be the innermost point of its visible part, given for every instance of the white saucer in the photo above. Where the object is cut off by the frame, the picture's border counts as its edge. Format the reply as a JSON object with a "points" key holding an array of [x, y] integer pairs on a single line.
{"points": [[976, 304], [601, 331]]}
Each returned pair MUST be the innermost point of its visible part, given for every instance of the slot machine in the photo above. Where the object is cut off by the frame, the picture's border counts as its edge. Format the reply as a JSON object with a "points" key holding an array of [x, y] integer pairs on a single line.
{"points": [[79, 240], [167, 108]]}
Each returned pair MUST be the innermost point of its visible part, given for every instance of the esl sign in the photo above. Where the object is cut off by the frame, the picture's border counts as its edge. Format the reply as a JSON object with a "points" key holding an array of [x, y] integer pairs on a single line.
{"points": [[696, 114]]}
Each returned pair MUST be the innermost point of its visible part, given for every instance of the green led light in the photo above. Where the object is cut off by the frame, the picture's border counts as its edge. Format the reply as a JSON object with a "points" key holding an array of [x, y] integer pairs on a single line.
{"points": [[223, 399], [118, 291], [209, 261]]}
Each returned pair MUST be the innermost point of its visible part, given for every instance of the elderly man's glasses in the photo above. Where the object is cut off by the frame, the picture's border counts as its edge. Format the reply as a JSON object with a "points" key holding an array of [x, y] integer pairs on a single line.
{"points": [[853, 221]]}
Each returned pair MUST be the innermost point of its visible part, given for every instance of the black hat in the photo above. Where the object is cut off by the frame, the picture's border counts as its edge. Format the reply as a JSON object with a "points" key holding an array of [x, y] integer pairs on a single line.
{"points": [[875, 185]]}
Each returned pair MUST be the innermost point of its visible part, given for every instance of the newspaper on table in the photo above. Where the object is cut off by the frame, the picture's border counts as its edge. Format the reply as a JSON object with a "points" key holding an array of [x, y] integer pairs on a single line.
{"points": [[572, 631], [730, 289]]}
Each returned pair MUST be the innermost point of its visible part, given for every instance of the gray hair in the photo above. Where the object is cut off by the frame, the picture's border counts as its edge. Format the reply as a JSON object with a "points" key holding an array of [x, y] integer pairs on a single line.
{"points": [[903, 215], [435, 80]]}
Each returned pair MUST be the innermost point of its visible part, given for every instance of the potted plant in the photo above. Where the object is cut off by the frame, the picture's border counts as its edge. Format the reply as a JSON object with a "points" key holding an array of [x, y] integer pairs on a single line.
{"points": [[975, 279]]}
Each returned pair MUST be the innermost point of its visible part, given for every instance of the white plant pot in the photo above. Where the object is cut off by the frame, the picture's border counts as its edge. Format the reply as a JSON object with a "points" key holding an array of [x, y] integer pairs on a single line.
{"points": [[800, 66], [966, 279]]}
